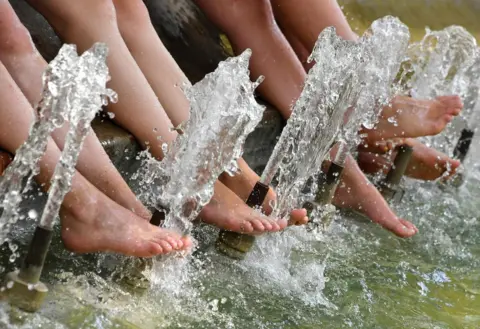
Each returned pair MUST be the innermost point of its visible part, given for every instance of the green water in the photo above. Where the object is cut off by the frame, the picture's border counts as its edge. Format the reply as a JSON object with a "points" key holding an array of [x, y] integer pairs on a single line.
{"points": [[417, 14], [356, 276]]}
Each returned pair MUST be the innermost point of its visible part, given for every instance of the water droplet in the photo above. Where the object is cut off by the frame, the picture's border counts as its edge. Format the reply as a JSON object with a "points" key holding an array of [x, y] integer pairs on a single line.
{"points": [[32, 214], [111, 115]]}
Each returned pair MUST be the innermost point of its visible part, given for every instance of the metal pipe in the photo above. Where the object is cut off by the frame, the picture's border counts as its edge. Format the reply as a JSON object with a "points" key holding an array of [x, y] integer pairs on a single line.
{"points": [[389, 186], [463, 144]]}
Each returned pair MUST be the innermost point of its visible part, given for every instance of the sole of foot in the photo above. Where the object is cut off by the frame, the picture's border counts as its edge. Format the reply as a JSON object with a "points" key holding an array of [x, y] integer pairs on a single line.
{"points": [[242, 185], [227, 211], [356, 193], [408, 117], [103, 225], [426, 163]]}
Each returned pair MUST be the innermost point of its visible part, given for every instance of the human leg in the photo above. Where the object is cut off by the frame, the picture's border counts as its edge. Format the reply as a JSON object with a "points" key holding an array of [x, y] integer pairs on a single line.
{"points": [[26, 66], [357, 193], [89, 21], [88, 216], [164, 76], [250, 24]]}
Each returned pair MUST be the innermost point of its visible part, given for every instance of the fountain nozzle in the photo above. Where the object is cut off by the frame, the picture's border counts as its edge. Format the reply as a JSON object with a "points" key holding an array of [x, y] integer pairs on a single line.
{"points": [[389, 187], [24, 288]]}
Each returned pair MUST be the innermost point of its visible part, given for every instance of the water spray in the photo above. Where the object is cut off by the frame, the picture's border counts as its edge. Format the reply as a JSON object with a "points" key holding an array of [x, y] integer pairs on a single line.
{"points": [[86, 93], [321, 210]]}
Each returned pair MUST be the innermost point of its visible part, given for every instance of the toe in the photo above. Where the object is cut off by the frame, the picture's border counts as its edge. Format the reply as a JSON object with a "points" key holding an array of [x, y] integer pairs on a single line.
{"points": [[257, 225], [404, 229], [282, 224], [154, 249], [246, 227], [175, 243], [267, 224], [167, 248], [186, 242], [297, 216]]}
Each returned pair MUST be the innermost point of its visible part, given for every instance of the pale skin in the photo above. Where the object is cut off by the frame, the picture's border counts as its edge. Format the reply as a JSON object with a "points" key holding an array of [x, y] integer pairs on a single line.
{"points": [[302, 22], [142, 70], [26, 67], [426, 163], [87, 215], [251, 24]]}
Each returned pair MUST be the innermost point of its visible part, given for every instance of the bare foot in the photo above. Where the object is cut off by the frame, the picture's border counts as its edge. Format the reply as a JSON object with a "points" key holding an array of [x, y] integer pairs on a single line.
{"points": [[426, 163], [408, 117], [5, 160], [357, 193], [227, 211], [103, 225], [244, 181]]}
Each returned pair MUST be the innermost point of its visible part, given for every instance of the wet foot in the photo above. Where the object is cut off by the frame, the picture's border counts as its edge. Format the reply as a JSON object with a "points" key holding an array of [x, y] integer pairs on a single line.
{"points": [[227, 211], [357, 193], [426, 163], [106, 226], [408, 117], [430, 164], [5, 160], [243, 183]]}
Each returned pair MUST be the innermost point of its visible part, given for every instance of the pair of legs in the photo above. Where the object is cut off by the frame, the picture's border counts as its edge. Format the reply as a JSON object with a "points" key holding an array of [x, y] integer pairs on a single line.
{"points": [[280, 52], [105, 216], [150, 103]]}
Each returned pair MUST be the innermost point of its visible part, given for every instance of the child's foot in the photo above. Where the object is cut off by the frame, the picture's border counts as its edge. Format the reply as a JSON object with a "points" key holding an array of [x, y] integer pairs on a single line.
{"points": [[5, 160], [227, 211], [244, 181], [426, 163], [357, 193], [408, 117], [99, 224]]}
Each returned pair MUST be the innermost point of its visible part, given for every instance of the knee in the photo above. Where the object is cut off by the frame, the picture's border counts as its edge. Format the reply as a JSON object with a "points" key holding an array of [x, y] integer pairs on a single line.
{"points": [[238, 14]]}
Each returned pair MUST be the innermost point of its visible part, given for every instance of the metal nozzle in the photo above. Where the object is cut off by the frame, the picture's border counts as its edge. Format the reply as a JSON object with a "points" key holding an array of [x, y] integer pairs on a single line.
{"points": [[27, 292], [463, 144], [389, 187]]}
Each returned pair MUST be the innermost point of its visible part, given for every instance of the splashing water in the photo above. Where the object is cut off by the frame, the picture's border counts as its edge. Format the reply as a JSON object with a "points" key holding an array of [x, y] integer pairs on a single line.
{"points": [[85, 95], [223, 113], [74, 90], [356, 276], [444, 63], [438, 58], [387, 41], [329, 90], [51, 109]]}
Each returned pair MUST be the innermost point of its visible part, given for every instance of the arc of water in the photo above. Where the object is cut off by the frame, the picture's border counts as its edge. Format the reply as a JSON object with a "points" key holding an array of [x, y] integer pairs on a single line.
{"points": [[85, 97], [51, 115], [223, 113], [446, 63]]}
